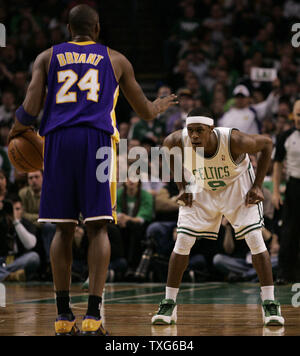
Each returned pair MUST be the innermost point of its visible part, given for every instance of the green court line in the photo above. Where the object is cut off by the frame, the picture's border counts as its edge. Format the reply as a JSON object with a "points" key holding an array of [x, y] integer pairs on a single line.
{"points": [[201, 293], [114, 300], [130, 293]]}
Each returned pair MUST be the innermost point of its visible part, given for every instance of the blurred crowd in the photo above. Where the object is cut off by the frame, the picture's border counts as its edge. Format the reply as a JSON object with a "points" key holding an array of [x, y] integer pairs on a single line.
{"points": [[209, 55]]}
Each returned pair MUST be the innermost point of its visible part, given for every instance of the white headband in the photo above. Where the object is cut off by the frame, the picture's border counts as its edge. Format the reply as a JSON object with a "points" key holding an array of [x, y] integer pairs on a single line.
{"points": [[199, 120]]}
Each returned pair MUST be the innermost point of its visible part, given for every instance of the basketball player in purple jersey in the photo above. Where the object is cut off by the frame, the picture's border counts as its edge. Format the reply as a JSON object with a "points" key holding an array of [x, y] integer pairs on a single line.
{"points": [[83, 79]]}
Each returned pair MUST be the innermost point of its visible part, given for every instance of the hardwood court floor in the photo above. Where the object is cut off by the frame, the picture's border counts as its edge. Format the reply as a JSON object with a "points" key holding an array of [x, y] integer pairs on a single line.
{"points": [[204, 309]]}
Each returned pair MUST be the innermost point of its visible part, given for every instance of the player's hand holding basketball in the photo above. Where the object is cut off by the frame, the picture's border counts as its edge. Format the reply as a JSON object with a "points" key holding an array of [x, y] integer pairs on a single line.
{"points": [[25, 148], [164, 102], [184, 198], [17, 130], [254, 196]]}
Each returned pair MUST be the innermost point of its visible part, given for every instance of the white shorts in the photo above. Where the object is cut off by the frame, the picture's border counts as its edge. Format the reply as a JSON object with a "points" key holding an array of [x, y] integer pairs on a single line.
{"points": [[203, 219]]}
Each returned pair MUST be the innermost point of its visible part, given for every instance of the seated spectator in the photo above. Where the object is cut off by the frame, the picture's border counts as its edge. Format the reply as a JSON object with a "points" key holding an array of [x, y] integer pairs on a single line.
{"points": [[284, 107], [18, 261], [234, 261], [124, 130], [134, 119], [165, 90], [183, 30], [187, 24], [217, 23], [133, 143], [135, 211], [10, 62], [161, 236], [166, 209], [30, 197], [176, 78], [176, 121], [217, 109], [19, 181], [268, 128], [198, 63], [153, 130], [26, 24], [152, 181], [193, 85], [5, 193], [4, 162]]}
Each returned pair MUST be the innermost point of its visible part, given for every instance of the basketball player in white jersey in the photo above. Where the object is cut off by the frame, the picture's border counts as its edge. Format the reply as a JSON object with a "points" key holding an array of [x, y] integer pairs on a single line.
{"points": [[228, 187]]}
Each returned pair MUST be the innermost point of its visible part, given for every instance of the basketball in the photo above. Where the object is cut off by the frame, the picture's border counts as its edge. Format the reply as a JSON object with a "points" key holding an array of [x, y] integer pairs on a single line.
{"points": [[25, 152]]}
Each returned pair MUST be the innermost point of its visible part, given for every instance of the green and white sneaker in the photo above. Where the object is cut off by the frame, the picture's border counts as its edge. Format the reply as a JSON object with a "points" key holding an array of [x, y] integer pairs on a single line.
{"points": [[167, 313], [271, 312]]}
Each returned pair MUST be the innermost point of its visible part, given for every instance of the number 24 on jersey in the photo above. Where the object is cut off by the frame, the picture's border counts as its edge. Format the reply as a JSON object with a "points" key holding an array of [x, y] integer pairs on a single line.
{"points": [[89, 82]]}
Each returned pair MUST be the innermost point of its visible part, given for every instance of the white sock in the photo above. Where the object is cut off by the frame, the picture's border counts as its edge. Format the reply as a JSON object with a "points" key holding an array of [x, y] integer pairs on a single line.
{"points": [[267, 292], [171, 293]]}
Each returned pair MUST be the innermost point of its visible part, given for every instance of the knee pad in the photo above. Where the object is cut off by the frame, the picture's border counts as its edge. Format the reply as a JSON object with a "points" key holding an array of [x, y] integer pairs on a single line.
{"points": [[255, 242], [184, 244]]}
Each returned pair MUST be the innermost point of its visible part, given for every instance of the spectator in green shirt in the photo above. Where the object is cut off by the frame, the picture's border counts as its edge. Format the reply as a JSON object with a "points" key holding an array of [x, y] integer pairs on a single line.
{"points": [[154, 130], [135, 211]]}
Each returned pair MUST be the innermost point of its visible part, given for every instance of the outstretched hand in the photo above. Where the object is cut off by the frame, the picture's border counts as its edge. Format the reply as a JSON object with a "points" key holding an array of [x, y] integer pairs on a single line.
{"points": [[163, 103]]}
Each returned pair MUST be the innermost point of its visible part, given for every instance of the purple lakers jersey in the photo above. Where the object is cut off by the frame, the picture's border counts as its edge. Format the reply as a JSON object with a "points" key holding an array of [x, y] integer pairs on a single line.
{"points": [[82, 88]]}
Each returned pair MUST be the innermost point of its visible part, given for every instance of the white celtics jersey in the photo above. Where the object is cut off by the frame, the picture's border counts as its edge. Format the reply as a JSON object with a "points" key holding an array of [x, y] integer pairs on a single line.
{"points": [[220, 170]]}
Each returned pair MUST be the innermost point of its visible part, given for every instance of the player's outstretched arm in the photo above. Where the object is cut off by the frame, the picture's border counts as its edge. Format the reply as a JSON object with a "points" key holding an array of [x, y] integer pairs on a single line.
{"points": [[144, 108], [32, 104], [252, 144]]}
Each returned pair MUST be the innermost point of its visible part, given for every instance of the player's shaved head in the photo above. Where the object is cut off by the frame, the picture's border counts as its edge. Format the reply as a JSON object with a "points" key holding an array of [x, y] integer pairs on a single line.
{"points": [[83, 20]]}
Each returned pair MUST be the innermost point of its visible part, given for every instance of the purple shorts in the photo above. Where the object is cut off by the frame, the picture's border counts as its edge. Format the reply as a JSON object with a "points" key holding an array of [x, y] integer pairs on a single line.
{"points": [[70, 184]]}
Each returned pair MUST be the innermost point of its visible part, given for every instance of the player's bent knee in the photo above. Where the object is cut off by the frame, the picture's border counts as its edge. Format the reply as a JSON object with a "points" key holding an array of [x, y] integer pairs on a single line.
{"points": [[255, 242], [184, 244]]}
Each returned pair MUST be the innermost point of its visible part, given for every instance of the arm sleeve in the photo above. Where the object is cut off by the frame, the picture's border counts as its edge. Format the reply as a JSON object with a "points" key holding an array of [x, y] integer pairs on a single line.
{"points": [[265, 107], [27, 238]]}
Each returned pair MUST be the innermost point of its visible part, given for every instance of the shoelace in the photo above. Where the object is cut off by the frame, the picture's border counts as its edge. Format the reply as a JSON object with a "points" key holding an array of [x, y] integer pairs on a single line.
{"points": [[164, 308], [272, 309]]}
